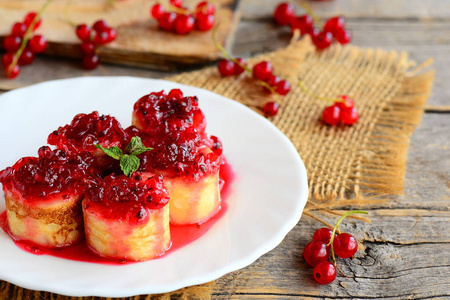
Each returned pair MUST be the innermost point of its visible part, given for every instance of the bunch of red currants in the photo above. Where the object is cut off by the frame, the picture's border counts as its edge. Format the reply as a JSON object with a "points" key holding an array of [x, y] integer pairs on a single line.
{"points": [[91, 38], [180, 20], [21, 46], [334, 27]]}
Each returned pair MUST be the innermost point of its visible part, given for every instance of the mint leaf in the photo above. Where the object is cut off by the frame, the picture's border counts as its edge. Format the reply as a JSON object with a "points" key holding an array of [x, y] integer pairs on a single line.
{"points": [[115, 152], [129, 164], [136, 147]]}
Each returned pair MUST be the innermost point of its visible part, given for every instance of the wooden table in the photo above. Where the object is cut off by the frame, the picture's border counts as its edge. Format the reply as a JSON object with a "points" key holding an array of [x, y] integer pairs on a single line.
{"points": [[407, 245]]}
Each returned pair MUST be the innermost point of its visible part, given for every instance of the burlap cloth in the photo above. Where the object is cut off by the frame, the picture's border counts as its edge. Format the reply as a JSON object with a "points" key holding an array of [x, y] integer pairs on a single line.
{"points": [[346, 165]]}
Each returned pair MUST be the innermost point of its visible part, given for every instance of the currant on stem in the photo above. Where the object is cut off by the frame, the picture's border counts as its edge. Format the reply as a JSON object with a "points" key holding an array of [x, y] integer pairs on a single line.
{"points": [[177, 19], [333, 29]]}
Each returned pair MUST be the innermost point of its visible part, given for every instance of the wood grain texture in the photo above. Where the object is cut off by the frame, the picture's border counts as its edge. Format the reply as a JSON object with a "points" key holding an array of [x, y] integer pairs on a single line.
{"points": [[139, 40], [406, 245]]}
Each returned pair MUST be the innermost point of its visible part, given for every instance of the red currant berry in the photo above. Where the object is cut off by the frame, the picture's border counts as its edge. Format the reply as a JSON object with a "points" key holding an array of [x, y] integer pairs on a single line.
{"points": [[167, 21], [262, 70], [322, 40], [283, 87], [331, 115], [100, 25], [272, 82], [349, 116], [205, 8], [343, 37], [7, 59], [12, 43], [83, 32], [13, 73], [238, 70], [38, 43], [303, 23], [325, 272], [29, 19], [176, 3], [112, 34], [90, 62], [345, 245], [204, 22], [175, 94], [334, 25], [101, 37], [270, 109], [346, 103], [157, 11], [19, 29], [283, 14], [88, 48], [315, 252], [184, 24], [226, 67], [26, 58], [323, 235]]}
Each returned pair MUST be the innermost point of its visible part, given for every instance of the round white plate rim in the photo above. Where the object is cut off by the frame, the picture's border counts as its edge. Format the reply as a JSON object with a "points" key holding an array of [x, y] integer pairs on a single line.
{"points": [[236, 264]]}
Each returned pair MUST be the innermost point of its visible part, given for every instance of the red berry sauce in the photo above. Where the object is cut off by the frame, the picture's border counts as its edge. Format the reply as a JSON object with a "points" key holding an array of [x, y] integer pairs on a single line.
{"points": [[52, 173], [123, 198], [181, 235], [85, 131], [167, 115]]}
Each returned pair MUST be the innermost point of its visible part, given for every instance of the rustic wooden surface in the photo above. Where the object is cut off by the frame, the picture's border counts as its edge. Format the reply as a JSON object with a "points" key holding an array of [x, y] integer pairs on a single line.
{"points": [[407, 245], [139, 40]]}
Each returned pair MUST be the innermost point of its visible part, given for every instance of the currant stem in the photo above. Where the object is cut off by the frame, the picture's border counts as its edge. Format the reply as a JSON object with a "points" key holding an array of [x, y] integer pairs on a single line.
{"points": [[306, 90], [173, 8], [337, 226], [67, 15], [27, 36], [224, 51], [311, 12]]}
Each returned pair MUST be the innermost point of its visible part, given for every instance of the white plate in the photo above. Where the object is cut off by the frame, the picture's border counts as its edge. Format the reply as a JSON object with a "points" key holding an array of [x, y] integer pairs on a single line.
{"points": [[267, 199]]}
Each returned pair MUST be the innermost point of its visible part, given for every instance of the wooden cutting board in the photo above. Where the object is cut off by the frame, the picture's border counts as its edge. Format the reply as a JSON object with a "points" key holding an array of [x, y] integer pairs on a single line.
{"points": [[139, 41]]}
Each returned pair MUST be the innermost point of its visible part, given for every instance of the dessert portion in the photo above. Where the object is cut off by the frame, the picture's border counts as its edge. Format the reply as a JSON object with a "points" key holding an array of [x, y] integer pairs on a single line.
{"points": [[127, 218], [87, 130], [190, 162], [43, 196]]}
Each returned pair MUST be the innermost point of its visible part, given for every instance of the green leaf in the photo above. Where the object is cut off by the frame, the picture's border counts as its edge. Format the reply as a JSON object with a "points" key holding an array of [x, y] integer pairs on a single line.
{"points": [[129, 164], [136, 147], [115, 152]]}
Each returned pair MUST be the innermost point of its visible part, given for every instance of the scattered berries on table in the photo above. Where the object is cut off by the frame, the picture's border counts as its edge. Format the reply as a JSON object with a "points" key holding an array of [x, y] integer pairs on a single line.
{"points": [[325, 242], [173, 17], [91, 39], [22, 45], [333, 29]]}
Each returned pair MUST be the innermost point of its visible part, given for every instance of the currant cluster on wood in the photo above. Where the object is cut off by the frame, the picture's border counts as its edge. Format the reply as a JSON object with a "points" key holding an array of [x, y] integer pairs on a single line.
{"points": [[182, 21], [91, 38], [334, 27], [12, 43], [317, 253], [341, 111]]}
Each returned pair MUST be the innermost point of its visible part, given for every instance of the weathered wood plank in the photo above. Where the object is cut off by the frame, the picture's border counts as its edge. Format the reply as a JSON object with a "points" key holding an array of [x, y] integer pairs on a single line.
{"points": [[139, 40], [405, 253], [382, 9]]}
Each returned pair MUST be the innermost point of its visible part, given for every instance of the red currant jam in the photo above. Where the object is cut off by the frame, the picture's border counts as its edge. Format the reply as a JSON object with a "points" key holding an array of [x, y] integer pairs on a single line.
{"points": [[53, 172], [85, 131], [160, 114], [111, 197], [181, 235]]}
